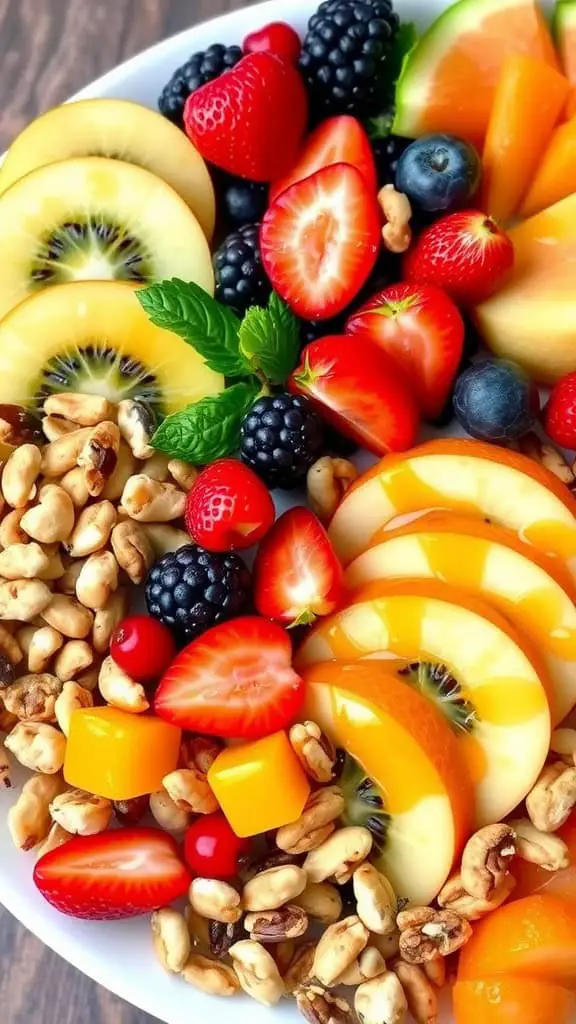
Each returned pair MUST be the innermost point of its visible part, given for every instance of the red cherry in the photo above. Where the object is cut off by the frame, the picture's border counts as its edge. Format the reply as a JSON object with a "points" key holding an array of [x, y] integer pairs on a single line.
{"points": [[278, 37], [212, 849], [142, 647]]}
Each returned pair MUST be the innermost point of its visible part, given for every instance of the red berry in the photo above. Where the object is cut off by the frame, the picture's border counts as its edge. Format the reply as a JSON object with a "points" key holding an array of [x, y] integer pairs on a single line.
{"points": [[142, 647], [278, 37], [560, 413], [229, 508], [212, 849], [250, 121]]}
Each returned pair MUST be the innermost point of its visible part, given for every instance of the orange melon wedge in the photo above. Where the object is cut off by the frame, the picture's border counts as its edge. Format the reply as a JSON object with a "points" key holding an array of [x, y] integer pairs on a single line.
{"points": [[555, 176]]}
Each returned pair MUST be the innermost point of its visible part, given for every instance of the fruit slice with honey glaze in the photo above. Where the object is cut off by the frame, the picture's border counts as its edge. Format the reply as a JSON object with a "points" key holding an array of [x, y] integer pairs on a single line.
{"points": [[403, 778], [506, 999], [555, 177], [96, 219], [94, 337], [534, 592], [120, 130], [462, 476], [470, 661], [448, 82]]}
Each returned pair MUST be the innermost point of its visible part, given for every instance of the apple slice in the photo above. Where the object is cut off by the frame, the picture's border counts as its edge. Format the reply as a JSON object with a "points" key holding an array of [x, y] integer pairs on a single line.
{"points": [[476, 479], [533, 591], [406, 749], [464, 655]]}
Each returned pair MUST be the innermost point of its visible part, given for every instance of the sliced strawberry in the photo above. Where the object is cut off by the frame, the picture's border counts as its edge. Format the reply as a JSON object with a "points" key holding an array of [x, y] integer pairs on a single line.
{"points": [[423, 330], [339, 140], [297, 575], [235, 681], [113, 874], [360, 390], [320, 241]]}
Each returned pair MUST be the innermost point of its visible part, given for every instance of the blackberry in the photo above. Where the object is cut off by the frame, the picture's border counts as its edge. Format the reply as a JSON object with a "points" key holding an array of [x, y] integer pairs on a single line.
{"points": [[243, 202], [387, 153], [202, 67], [346, 58], [191, 589], [281, 437], [240, 277]]}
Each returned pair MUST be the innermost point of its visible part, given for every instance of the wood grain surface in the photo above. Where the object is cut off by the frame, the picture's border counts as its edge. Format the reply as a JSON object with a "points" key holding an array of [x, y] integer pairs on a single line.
{"points": [[48, 50]]}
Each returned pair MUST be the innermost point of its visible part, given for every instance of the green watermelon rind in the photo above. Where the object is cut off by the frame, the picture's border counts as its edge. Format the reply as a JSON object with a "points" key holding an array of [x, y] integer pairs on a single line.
{"points": [[413, 86]]}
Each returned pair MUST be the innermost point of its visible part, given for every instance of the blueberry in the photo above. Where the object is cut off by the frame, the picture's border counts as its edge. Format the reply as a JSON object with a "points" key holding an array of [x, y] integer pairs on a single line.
{"points": [[439, 173], [496, 401]]}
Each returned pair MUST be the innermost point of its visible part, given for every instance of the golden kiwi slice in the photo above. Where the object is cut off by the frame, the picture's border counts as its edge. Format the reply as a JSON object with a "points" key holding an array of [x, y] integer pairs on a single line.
{"points": [[121, 130], [93, 218]]}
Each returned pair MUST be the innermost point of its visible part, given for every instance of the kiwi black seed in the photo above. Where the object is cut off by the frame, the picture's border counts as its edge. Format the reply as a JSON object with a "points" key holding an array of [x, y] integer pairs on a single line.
{"points": [[437, 683], [76, 246], [364, 802], [117, 373]]}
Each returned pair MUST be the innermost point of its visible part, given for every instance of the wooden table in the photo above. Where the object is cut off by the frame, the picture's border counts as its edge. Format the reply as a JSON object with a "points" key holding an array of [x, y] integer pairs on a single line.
{"points": [[48, 50]]}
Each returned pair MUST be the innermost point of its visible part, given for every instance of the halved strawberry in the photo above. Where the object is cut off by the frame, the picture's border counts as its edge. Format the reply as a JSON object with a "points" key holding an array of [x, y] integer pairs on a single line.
{"points": [[234, 681], [339, 140], [297, 575], [114, 874], [320, 240], [423, 330]]}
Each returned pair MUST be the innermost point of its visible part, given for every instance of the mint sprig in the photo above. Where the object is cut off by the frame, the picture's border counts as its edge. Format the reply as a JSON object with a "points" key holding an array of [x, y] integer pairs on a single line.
{"points": [[269, 340], [209, 429]]}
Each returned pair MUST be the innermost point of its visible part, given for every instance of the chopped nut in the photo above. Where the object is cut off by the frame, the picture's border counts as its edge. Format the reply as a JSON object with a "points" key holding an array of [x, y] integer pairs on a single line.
{"points": [[381, 1001], [315, 824], [199, 929], [75, 656], [20, 474], [321, 901], [546, 455], [563, 741], [370, 964], [72, 697], [171, 939], [420, 994], [320, 1007], [125, 468], [327, 482], [23, 600], [132, 549], [81, 813], [55, 568], [75, 483], [273, 888], [9, 647], [98, 456], [152, 501], [72, 569], [54, 427], [199, 752], [396, 233], [156, 467], [257, 972], [120, 690], [56, 837], [426, 933], [23, 562], [222, 936], [549, 852], [88, 679], [92, 530], [136, 426], [338, 947], [19, 426], [486, 860], [163, 537], [190, 790], [61, 455], [10, 530], [29, 819], [553, 798], [107, 619], [339, 856], [37, 746], [7, 675], [52, 519], [210, 976], [314, 750], [86, 410], [299, 970], [167, 814], [183, 473], [387, 945], [97, 580], [32, 698], [377, 905], [68, 616], [435, 971], [269, 926], [454, 896], [5, 777], [256, 864], [215, 900], [130, 812]]}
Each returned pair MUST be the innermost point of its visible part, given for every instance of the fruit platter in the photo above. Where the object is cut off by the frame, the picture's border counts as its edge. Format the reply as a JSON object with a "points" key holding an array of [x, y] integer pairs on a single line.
{"points": [[288, 518]]}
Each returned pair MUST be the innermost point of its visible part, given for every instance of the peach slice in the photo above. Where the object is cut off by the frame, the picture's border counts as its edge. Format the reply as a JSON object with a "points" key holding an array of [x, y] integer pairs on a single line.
{"points": [[532, 590], [506, 999], [463, 476], [488, 681], [407, 749]]}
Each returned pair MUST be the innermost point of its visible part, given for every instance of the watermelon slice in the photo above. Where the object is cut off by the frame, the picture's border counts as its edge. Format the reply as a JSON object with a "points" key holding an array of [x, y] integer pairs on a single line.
{"points": [[449, 80], [564, 27]]}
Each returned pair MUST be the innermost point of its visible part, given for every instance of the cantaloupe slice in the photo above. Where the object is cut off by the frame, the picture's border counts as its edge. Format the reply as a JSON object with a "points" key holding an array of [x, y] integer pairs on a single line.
{"points": [[528, 102], [555, 177]]}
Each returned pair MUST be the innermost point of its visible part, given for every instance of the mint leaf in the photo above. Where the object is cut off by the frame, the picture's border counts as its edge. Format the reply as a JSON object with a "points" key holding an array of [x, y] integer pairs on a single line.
{"points": [[209, 429], [270, 340], [187, 310]]}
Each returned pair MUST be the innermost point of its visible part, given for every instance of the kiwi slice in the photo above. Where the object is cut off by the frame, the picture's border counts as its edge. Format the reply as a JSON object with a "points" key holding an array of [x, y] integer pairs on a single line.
{"points": [[437, 683], [91, 219], [94, 337], [121, 130]]}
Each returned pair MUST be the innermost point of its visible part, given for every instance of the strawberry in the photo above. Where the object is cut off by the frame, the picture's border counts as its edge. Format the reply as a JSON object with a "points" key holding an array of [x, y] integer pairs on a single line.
{"points": [[235, 681], [320, 240], [113, 874], [278, 37], [466, 254], [250, 121], [228, 508], [359, 389], [297, 575], [560, 413], [339, 140], [422, 329]]}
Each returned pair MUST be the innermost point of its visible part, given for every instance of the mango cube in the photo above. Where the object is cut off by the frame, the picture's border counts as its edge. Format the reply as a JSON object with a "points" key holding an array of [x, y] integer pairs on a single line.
{"points": [[118, 755], [259, 785]]}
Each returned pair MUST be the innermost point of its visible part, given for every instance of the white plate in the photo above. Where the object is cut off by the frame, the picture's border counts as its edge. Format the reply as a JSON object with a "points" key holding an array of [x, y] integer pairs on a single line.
{"points": [[118, 954]]}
